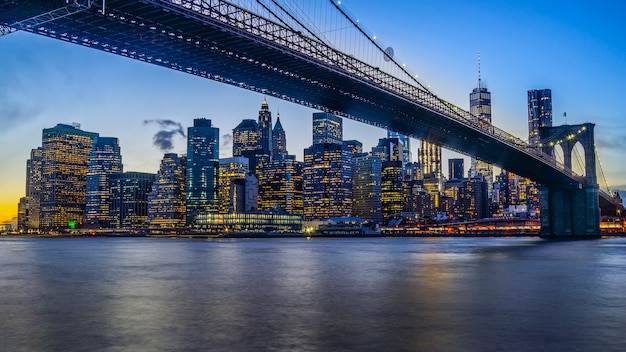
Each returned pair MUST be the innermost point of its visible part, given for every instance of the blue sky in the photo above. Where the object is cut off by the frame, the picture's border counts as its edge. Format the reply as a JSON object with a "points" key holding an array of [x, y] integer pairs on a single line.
{"points": [[577, 49]]}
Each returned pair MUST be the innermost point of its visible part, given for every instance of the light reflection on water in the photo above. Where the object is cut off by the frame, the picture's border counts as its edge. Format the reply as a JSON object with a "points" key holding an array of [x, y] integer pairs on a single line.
{"points": [[393, 294]]}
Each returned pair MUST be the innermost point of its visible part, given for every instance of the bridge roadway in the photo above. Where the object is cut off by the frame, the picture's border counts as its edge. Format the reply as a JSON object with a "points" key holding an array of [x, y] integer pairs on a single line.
{"points": [[227, 44]]}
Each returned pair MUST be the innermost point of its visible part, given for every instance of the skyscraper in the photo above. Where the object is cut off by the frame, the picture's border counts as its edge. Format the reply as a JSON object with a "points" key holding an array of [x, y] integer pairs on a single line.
{"points": [[105, 160], [327, 180], [480, 106], [327, 128], [246, 137], [429, 156], [366, 183], [129, 199], [202, 168], [539, 113], [455, 169], [406, 145], [28, 210], [279, 140], [391, 191], [265, 127], [230, 168], [166, 200], [65, 161], [280, 185]]}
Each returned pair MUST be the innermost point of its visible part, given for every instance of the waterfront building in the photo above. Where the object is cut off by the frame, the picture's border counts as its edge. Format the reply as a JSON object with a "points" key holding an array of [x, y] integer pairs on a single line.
{"points": [[327, 181], [406, 146], [166, 200], [327, 128], [280, 185], [265, 128], [202, 169], [366, 187], [28, 208], [391, 191], [539, 113], [129, 199], [105, 160], [279, 140], [65, 161], [455, 169], [230, 168], [251, 222]]}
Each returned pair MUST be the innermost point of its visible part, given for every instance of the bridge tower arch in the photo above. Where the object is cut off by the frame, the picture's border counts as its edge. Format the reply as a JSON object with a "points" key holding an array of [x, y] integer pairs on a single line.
{"points": [[570, 209]]}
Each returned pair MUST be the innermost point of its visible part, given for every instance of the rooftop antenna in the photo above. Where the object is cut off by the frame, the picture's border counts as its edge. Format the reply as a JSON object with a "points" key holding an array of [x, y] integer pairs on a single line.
{"points": [[479, 84], [565, 117]]}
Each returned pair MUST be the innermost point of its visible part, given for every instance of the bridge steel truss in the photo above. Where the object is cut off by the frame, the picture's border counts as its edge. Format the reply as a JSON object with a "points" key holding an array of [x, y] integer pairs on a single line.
{"points": [[218, 40]]}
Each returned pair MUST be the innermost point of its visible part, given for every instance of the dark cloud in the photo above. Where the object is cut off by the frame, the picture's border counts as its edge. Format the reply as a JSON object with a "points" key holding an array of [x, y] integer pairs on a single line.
{"points": [[608, 142], [227, 139], [168, 129]]}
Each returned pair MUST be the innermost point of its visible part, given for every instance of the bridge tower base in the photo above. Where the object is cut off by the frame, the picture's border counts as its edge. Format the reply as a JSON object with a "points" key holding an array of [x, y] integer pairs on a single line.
{"points": [[569, 211]]}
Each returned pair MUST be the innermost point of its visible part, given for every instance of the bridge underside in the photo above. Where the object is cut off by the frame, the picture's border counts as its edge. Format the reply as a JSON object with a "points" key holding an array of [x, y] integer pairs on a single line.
{"points": [[174, 39]]}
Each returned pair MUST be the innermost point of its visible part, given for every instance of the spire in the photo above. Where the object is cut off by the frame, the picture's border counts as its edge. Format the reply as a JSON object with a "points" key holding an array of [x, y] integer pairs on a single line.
{"points": [[278, 126], [264, 105]]}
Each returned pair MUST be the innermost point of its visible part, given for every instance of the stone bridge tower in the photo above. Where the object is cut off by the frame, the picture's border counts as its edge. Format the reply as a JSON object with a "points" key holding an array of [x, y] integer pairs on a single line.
{"points": [[571, 209]]}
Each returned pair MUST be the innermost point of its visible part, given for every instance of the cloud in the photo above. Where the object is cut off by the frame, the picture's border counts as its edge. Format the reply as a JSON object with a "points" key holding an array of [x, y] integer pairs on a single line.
{"points": [[227, 139], [168, 129]]}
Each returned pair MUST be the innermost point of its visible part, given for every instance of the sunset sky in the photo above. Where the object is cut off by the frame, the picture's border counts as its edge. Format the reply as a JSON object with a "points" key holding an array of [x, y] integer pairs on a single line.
{"points": [[575, 48]]}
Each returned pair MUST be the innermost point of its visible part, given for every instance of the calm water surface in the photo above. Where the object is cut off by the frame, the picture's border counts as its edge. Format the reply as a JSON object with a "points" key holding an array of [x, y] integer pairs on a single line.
{"points": [[395, 294]]}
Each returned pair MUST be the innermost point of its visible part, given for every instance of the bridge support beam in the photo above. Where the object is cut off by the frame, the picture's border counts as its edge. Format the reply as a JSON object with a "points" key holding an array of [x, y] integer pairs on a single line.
{"points": [[569, 211]]}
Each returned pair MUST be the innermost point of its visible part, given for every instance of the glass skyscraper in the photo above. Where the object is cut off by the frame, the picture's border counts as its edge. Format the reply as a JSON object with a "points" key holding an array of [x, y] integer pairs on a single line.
{"points": [[246, 137], [105, 160], [129, 199], [202, 169], [166, 201], [366, 183], [480, 107], [65, 160], [539, 113], [327, 128]]}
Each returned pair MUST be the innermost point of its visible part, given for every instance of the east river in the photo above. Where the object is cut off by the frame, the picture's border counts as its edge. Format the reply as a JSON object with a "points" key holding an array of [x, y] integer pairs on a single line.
{"points": [[294, 294]]}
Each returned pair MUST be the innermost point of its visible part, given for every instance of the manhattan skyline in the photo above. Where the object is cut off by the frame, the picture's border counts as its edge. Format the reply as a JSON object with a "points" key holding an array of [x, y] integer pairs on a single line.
{"points": [[577, 51]]}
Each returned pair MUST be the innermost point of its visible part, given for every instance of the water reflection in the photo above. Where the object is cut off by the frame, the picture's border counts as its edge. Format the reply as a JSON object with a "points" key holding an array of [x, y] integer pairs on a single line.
{"points": [[400, 294]]}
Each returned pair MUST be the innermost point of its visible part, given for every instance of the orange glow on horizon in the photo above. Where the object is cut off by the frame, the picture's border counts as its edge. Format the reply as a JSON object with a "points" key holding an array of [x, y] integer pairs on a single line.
{"points": [[7, 212]]}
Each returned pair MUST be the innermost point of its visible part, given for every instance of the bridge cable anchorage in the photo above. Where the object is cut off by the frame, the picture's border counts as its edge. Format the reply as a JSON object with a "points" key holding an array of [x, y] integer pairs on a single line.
{"points": [[608, 189], [34, 22]]}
